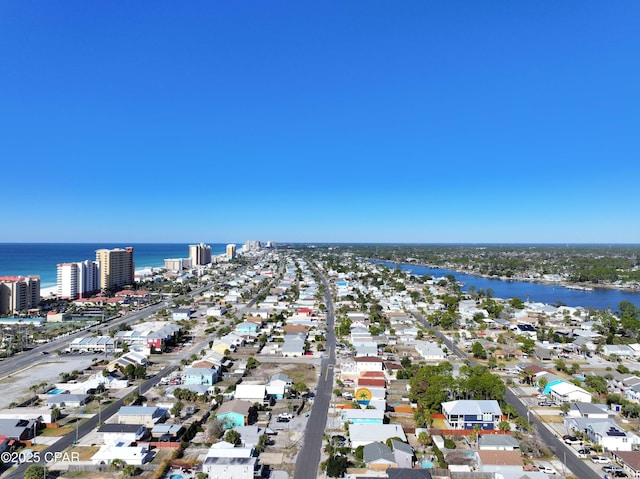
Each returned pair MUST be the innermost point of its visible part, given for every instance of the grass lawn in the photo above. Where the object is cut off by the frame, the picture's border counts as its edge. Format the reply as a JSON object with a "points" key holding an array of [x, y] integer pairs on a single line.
{"points": [[57, 431], [85, 452]]}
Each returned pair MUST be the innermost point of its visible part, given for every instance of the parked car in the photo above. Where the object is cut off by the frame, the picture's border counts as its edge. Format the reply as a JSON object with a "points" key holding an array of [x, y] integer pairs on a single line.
{"points": [[611, 468], [571, 440], [619, 474], [282, 419], [545, 403], [600, 460], [547, 470]]}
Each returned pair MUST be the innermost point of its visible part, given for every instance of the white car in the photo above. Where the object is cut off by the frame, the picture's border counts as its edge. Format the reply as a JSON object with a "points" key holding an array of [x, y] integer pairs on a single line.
{"points": [[547, 470], [600, 459]]}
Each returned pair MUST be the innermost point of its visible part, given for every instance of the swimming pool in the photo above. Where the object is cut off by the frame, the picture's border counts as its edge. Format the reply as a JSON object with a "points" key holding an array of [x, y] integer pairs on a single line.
{"points": [[56, 391], [176, 476], [426, 464]]}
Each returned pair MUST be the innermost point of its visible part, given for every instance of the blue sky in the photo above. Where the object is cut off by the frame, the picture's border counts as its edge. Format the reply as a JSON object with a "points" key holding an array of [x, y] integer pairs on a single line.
{"points": [[359, 121]]}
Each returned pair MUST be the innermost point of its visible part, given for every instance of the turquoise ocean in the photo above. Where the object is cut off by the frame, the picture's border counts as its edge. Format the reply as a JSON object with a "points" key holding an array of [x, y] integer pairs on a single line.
{"points": [[42, 258]]}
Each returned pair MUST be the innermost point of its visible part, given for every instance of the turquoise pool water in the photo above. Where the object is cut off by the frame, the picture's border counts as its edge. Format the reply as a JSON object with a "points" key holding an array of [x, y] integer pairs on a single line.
{"points": [[56, 391], [426, 464]]}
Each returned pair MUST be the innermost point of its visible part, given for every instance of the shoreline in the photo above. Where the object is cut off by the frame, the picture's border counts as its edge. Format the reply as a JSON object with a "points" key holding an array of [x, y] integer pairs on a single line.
{"points": [[632, 288]]}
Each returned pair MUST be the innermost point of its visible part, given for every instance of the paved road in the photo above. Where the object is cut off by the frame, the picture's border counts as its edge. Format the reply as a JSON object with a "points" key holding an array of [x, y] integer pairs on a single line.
{"points": [[309, 456], [34, 356], [557, 446], [90, 424]]}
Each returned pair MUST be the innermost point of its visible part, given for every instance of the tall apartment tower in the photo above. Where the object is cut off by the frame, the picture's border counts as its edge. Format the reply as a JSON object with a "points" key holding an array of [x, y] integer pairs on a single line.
{"points": [[200, 254], [231, 251], [116, 267], [19, 293], [79, 279]]}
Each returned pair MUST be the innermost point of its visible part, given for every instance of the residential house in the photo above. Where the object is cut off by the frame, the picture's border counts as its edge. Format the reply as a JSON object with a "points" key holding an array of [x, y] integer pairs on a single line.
{"points": [[251, 392], [498, 442], [293, 346], [368, 363], [181, 314], [467, 414], [363, 434], [363, 416], [66, 400], [172, 431], [145, 415], [403, 454], [430, 351], [589, 410], [611, 436], [18, 429], [378, 456], [130, 455], [205, 376], [278, 385], [122, 433], [630, 462], [230, 467], [568, 392], [234, 413], [500, 461]]}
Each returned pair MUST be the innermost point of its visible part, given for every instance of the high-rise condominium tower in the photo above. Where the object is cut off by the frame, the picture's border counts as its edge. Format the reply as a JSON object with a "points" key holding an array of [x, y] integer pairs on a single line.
{"points": [[199, 254], [116, 267]]}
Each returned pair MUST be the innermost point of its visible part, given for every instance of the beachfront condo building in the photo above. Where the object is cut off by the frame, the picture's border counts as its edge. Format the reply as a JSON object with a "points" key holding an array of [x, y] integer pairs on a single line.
{"points": [[78, 280], [116, 267], [231, 251], [200, 254], [177, 264], [19, 293]]}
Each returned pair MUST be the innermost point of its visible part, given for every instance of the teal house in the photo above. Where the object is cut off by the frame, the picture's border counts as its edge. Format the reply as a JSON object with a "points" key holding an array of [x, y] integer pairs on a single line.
{"points": [[234, 413]]}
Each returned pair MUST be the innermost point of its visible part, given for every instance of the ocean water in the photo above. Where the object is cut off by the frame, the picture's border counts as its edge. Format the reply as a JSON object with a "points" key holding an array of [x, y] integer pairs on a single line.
{"points": [[42, 258]]}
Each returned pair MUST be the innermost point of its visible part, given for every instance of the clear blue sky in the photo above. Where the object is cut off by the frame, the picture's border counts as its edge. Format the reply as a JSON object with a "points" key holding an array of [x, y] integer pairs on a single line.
{"points": [[367, 121]]}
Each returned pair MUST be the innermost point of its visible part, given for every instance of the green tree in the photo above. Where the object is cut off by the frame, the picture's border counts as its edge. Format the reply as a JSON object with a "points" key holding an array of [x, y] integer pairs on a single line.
{"points": [[35, 472], [337, 465], [504, 425], [130, 470], [233, 437], [478, 351]]}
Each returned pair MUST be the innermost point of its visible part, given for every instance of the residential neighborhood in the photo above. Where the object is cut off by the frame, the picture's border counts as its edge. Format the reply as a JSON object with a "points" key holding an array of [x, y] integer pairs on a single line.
{"points": [[406, 375]]}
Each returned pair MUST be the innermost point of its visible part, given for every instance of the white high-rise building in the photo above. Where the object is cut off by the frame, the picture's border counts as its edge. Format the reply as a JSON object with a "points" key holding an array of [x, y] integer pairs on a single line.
{"points": [[77, 280]]}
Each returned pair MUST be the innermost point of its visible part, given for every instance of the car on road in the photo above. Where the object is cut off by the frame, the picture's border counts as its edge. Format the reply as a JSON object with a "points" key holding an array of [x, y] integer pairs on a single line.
{"points": [[600, 460], [547, 470]]}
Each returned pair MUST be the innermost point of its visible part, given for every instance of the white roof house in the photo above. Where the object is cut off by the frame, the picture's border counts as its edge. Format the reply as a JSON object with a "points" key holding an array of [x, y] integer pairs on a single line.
{"points": [[611, 436], [135, 455], [363, 434], [568, 392], [251, 392]]}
